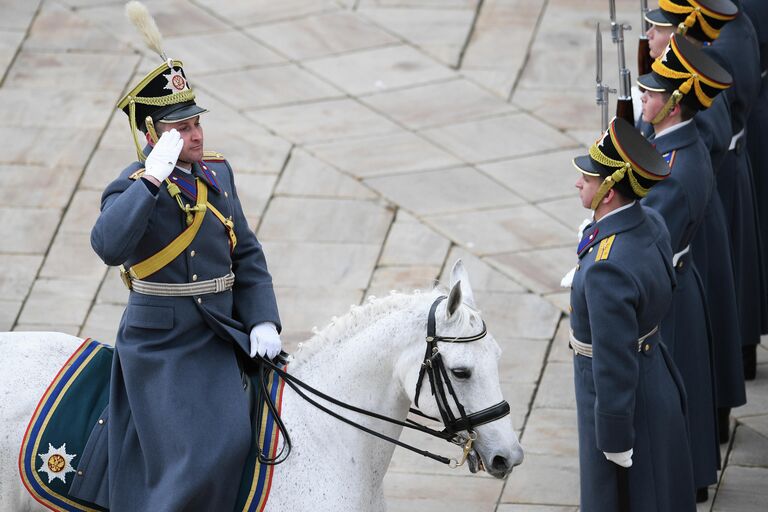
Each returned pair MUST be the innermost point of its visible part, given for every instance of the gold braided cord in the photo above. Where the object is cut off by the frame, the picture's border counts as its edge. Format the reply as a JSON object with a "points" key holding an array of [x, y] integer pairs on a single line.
{"points": [[694, 14], [163, 101], [624, 169], [673, 100], [134, 130]]}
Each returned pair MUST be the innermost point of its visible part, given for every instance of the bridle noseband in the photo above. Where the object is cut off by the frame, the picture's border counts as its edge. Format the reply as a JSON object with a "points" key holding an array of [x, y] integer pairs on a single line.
{"points": [[434, 368]]}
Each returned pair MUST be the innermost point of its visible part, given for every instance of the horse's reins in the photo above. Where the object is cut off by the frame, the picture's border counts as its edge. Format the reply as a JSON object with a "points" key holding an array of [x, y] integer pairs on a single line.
{"points": [[435, 370]]}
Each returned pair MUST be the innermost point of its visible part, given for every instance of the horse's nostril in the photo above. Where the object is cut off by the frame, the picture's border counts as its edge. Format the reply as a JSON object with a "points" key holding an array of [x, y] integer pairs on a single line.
{"points": [[500, 463]]}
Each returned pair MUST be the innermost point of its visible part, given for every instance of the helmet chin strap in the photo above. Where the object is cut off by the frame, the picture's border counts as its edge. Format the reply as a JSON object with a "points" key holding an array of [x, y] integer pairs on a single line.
{"points": [[671, 103], [608, 184]]}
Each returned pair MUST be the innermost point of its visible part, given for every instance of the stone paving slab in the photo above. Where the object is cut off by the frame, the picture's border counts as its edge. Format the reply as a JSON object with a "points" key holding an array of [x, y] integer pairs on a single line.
{"points": [[454, 493], [409, 242], [19, 273], [404, 279], [27, 230], [539, 270], [27, 186], [742, 489], [17, 15], [306, 176], [9, 310], [533, 482], [59, 301]]}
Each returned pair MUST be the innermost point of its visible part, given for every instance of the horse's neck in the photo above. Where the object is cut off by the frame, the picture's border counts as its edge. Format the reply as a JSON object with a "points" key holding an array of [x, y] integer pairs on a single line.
{"points": [[359, 368]]}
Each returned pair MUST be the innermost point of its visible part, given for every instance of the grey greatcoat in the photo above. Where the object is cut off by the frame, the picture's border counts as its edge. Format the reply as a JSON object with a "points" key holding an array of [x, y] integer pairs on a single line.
{"points": [[682, 200], [178, 421], [627, 398]]}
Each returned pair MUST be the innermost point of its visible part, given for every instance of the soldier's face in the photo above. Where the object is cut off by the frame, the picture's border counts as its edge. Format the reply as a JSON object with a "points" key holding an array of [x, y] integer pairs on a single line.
{"points": [[192, 134], [653, 102], [587, 186], [658, 39]]}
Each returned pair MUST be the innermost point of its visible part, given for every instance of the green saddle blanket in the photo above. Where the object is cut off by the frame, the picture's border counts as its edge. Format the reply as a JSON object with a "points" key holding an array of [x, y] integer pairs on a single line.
{"points": [[71, 411]]}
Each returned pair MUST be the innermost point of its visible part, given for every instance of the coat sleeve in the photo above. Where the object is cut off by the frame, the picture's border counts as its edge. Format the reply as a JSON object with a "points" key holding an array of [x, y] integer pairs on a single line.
{"points": [[126, 210], [612, 300], [254, 296]]}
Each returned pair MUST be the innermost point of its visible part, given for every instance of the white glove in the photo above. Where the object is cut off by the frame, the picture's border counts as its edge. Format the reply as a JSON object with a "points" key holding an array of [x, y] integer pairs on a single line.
{"points": [[162, 159], [567, 280], [582, 226], [623, 459], [265, 340]]}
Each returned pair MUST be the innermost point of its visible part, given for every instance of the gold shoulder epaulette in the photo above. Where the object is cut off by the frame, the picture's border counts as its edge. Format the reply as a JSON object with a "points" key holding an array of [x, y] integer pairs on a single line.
{"points": [[212, 155], [605, 248], [138, 174]]}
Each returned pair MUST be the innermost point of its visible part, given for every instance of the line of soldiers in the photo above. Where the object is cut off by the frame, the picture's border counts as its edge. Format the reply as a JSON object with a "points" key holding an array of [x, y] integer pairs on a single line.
{"points": [[654, 404]]}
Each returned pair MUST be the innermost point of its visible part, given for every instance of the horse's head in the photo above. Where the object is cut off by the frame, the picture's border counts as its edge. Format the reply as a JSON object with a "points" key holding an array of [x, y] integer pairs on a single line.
{"points": [[471, 367]]}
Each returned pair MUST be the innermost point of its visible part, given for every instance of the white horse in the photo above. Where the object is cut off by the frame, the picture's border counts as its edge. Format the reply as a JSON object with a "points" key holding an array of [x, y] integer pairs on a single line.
{"points": [[370, 358]]}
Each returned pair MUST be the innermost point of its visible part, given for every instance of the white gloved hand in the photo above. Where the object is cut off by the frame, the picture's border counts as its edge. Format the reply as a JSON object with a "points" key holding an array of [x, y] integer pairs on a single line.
{"points": [[265, 340], [582, 226], [162, 159], [623, 459]]}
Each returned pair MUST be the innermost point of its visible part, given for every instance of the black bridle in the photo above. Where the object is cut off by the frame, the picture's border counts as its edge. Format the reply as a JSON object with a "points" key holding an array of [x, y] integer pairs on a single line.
{"points": [[434, 368]]}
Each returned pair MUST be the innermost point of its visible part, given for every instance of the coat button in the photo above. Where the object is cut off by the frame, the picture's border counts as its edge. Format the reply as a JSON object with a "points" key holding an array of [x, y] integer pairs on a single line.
{"points": [[199, 300], [647, 347], [192, 254], [101, 421], [194, 277], [79, 473], [225, 194], [590, 249]]}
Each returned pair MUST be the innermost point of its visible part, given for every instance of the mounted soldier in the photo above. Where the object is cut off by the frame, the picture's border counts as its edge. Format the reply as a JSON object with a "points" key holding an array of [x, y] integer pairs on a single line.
{"points": [[201, 297]]}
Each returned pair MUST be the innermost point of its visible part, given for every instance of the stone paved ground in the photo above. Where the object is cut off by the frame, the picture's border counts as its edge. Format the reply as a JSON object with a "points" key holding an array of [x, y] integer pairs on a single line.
{"points": [[375, 142]]}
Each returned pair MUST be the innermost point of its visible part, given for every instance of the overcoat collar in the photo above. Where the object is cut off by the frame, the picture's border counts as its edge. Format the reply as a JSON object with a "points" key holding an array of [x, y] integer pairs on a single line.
{"points": [[186, 182], [620, 221], [678, 139]]}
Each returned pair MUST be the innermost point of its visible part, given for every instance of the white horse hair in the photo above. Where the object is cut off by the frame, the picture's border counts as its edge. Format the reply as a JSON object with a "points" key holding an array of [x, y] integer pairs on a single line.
{"points": [[370, 358]]}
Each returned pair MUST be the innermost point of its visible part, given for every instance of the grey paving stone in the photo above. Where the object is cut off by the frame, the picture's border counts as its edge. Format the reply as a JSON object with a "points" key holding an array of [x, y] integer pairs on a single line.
{"points": [[758, 424], [326, 220], [324, 121], [519, 315], [454, 493], [82, 212], [267, 86], [482, 276], [502, 230], [498, 137], [96, 72], [36, 187], [312, 264], [587, 137], [112, 290], [62, 300], [9, 309], [254, 192], [439, 32], [387, 154], [534, 508], [27, 230], [402, 279], [435, 4], [248, 152], [560, 352], [410, 242], [438, 104], [521, 359], [102, 323], [218, 51], [443, 191], [757, 395], [534, 481], [539, 177], [58, 28], [322, 34], [307, 307], [18, 274], [68, 109], [556, 388], [252, 12], [539, 270], [742, 489], [17, 15], [105, 165], [9, 43], [561, 300], [307, 176], [750, 448], [47, 147], [564, 108], [519, 395], [553, 432], [569, 212], [68, 248], [379, 69]]}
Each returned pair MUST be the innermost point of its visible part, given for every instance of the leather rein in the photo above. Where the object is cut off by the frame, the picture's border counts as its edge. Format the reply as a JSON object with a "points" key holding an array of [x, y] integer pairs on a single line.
{"points": [[434, 368]]}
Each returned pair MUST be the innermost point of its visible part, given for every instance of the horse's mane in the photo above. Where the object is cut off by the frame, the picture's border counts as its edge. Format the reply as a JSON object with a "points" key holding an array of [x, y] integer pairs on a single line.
{"points": [[374, 309]]}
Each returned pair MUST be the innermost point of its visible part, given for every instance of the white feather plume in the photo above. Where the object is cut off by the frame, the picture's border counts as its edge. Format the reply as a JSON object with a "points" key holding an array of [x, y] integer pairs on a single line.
{"points": [[139, 15]]}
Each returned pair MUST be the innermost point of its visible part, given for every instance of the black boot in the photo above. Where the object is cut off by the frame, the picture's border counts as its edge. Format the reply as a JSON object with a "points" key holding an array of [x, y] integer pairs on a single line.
{"points": [[702, 494], [749, 356], [723, 423]]}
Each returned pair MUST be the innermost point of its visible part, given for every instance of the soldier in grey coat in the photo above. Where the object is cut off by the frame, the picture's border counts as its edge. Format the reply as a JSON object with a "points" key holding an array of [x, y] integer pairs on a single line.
{"points": [[633, 443], [177, 430]]}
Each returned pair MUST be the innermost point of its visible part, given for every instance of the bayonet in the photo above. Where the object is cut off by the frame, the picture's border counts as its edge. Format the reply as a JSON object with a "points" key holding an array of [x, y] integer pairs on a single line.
{"points": [[643, 50], [624, 102], [602, 91]]}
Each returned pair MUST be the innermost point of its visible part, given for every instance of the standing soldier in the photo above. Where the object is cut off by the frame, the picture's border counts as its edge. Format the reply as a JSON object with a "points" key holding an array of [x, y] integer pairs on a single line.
{"points": [[682, 82], [178, 427], [633, 446]]}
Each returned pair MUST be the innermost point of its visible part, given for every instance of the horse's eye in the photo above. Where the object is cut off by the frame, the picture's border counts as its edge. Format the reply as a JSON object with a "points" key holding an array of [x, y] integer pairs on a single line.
{"points": [[461, 373]]}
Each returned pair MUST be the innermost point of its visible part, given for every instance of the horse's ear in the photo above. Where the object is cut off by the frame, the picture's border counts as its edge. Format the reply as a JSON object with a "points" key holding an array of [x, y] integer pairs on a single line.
{"points": [[459, 276], [454, 299]]}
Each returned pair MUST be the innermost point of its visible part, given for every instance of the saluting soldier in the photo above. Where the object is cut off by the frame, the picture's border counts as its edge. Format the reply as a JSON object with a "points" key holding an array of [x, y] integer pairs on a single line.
{"points": [[682, 82], [178, 427], [734, 46], [633, 445]]}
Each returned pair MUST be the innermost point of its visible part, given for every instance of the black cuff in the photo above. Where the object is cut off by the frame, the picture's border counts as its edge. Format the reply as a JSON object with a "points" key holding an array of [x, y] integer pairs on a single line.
{"points": [[150, 186]]}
